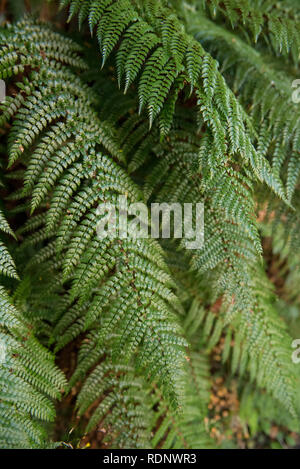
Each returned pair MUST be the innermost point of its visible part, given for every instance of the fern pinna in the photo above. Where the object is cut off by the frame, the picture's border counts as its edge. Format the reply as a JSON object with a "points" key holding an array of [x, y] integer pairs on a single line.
{"points": [[190, 102]]}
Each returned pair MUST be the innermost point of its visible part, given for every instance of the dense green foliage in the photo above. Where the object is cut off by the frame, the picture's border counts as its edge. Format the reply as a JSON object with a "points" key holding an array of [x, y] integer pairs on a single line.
{"points": [[189, 102], [27, 373]]}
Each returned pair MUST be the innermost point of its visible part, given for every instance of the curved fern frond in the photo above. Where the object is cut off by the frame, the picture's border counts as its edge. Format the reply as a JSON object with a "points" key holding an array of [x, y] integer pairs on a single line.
{"points": [[169, 56], [83, 164]]}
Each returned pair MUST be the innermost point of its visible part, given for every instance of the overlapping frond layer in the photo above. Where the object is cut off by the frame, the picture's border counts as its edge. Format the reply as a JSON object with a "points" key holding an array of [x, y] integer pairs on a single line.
{"points": [[270, 21], [116, 394], [283, 227], [265, 90], [231, 251], [29, 378], [29, 381], [224, 133], [73, 165], [154, 45], [137, 414], [186, 429]]}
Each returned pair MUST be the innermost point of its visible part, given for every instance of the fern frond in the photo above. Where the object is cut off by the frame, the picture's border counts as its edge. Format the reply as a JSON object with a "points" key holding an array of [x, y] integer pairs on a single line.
{"points": [[88, 164], [29, 378], [165, 56]]}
